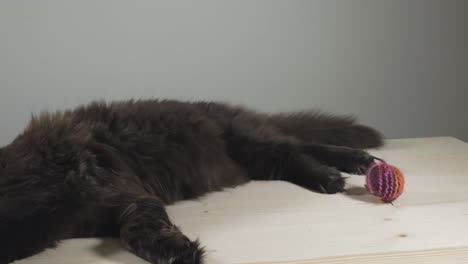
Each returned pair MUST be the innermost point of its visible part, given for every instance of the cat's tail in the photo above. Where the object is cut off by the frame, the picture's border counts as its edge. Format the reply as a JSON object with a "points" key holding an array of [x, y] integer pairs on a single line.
{"points": [[327, 129]]}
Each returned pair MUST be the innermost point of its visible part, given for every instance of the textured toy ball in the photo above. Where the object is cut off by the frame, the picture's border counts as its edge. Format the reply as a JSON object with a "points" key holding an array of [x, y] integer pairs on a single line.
{"points": [[385, 181]]}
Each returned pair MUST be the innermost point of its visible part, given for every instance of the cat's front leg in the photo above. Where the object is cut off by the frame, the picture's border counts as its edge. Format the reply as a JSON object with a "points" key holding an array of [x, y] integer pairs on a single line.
{"points": [[345, 159], [145, 230]]}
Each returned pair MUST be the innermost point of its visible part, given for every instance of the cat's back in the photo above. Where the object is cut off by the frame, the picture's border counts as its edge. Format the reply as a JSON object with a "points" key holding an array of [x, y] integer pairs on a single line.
{"points": [[143, 117], [170, 145]]}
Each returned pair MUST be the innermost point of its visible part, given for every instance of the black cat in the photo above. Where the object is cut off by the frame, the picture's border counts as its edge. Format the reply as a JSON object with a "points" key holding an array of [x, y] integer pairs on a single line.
{"points": [[110, 169]]}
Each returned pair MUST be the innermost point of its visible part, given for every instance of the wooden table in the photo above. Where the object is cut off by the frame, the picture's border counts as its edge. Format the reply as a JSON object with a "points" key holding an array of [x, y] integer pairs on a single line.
{"points": [[269, 222]]}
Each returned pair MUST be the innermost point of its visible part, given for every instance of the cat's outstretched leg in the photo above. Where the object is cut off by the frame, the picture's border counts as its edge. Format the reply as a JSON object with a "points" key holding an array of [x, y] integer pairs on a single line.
{"points": [[349, 160], [145, 230], [267, 155]]}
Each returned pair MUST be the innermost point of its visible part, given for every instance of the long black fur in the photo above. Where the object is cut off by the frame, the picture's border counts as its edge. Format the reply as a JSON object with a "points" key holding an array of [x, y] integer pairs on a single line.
{"points": [[110, 169]]}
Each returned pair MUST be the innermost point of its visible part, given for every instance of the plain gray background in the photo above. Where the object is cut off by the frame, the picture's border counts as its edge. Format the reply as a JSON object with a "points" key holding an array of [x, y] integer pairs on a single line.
{"points": [[400, 65]]}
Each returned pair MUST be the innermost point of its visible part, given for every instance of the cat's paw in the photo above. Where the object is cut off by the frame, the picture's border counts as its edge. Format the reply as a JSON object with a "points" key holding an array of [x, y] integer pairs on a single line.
{"points": [[355, 161], [334, 183], [180, 250], [171, 248], [311, 174]]}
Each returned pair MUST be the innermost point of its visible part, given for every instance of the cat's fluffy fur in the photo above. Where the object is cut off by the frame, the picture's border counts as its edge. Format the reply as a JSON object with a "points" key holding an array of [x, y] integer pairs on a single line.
{"points": [[109, 169]]}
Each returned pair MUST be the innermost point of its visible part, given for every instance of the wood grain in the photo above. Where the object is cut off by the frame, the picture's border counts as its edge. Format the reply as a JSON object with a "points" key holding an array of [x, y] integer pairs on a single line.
{"points": [[433, 256]]}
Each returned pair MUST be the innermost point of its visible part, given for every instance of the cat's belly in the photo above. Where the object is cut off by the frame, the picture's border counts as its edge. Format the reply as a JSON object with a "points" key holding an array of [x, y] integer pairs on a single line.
{"points": [[174, 178], [182, 155], [186, 165]]}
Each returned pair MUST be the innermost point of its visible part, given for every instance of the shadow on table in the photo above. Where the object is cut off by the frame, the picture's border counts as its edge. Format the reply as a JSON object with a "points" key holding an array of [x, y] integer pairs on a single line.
{"points": [[361, 194], [110, 249]]}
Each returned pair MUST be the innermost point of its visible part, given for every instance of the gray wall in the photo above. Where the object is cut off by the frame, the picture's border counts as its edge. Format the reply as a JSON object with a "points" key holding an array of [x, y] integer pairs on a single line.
{"points": [[400, 65]]}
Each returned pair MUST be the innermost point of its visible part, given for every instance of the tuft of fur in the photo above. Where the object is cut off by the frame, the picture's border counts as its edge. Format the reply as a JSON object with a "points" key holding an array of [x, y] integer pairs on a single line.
{"points": [[109, 169]]}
